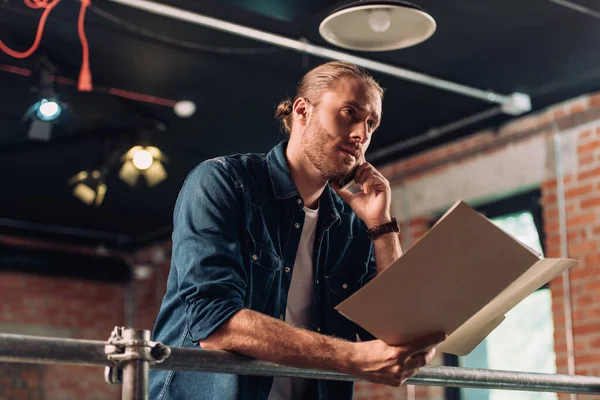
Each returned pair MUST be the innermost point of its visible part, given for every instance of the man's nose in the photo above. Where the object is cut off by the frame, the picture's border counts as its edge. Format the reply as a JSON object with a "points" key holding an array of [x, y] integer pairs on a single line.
{"points": [[359, 133]]}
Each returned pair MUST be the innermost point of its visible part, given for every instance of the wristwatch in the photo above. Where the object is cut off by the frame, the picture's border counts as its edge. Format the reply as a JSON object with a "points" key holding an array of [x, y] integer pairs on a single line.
{"points": [[379, 230]]}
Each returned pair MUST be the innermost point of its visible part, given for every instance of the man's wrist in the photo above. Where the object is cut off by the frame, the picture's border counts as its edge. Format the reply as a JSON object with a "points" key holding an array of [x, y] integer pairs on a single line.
{"points": [[379, 221], [385, 228]]}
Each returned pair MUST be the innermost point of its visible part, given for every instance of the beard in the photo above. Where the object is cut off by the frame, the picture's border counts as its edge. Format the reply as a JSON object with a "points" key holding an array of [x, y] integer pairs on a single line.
{"points": [[320, 147]]}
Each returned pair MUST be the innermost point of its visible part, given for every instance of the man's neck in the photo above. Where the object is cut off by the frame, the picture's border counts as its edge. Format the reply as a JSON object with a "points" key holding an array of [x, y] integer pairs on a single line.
{"points": [[306, 177]]}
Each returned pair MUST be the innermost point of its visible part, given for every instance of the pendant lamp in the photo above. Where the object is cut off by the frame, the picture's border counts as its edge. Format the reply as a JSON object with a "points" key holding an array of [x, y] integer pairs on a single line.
{"points": [[383, 25]]}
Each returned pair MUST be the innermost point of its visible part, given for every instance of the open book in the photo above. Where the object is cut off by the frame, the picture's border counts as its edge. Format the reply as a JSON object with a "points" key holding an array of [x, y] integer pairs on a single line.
{"points": [[461, 278]]}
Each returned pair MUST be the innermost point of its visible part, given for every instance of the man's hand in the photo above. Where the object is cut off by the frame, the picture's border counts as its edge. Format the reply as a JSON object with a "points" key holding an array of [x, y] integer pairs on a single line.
{"points": [[372, 205], [377, 362]]}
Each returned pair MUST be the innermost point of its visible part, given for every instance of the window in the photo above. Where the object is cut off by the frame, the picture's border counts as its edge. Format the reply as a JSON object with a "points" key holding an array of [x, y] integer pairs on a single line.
{"points": [[525, 340]]}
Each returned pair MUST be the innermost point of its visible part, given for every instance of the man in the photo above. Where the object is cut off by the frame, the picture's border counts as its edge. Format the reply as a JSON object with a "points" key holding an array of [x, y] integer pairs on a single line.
{"points": [[265, 246]]}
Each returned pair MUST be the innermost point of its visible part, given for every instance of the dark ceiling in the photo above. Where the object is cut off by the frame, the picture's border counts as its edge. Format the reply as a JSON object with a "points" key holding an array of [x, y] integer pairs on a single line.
{"points": [[536, 47]]}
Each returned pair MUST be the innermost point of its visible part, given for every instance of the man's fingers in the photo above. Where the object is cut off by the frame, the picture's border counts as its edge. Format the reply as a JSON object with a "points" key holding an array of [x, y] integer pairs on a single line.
{"points": [[424, 343], [419, 360], [344, 194]]}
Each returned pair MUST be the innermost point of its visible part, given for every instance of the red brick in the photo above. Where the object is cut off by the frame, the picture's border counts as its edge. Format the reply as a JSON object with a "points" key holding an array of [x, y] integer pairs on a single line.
{"points": [[578, 107], [591, 285], [577, 249], [548, 198], [585, 272], [592, 202], [579, 191], [592, 261], [585, 160], [595, 100], [581, 219], [585, 134], [589, 358], [595, 343], [588, 147], [586, 329], [559, 113], [589, 174]]}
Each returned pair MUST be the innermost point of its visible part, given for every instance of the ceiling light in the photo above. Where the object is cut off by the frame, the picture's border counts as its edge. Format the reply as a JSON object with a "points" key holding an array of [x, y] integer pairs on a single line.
{"points": [[184, 108], [380, 20], [382, 25], [146, 161], [89, 187]]}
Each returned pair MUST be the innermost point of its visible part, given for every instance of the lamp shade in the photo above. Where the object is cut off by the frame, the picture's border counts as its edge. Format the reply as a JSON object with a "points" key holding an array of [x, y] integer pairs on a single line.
{"points": [[377, 25]]}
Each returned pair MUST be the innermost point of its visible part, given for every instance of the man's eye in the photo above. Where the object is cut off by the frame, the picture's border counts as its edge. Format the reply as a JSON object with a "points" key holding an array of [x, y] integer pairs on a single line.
{"points": [[371, 125], [350, 112]]}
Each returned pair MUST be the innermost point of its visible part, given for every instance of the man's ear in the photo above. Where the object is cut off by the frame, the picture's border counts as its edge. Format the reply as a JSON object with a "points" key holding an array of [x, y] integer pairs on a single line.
{"points": [[301, 110]]}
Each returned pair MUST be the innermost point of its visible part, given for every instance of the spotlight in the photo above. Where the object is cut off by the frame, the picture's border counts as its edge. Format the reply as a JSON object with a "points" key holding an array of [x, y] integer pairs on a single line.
{"points": [[146, 161], [45, 112], [89, 187], [48, 110], [377, 25]]}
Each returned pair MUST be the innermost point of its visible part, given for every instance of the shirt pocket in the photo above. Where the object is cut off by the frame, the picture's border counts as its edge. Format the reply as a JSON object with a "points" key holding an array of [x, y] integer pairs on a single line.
{"points": [[343, 284], [264, 267]]}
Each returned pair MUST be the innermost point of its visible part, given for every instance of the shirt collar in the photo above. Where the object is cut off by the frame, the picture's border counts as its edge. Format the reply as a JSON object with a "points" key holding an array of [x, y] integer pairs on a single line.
{"points": [[279, 172]]}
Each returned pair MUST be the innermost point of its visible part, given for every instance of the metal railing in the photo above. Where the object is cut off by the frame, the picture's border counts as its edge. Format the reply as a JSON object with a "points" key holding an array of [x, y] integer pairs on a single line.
{"points": [[129, 353]]}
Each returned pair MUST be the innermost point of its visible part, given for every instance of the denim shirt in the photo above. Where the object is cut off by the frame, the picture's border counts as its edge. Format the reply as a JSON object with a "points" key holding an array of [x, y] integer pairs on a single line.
{"points": [[237, 225]]}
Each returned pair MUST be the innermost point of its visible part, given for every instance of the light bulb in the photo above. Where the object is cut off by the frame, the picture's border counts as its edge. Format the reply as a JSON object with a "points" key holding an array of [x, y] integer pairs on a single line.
{"points": [[185, 108], [48, 110], [380, 21], [142, 159]]}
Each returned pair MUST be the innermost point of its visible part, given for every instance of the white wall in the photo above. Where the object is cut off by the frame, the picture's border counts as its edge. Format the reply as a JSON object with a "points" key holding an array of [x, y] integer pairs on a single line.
{"points": [[517, 167]]}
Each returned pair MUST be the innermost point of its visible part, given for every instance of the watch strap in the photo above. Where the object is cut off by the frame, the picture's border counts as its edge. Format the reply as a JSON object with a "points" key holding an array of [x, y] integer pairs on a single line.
{"points": [[388, 227]]}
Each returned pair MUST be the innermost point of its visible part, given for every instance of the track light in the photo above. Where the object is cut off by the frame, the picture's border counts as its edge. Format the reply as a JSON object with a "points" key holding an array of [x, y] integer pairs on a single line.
{"points": [[89, 187], [46, 111], [146, 161], [377, 25]]}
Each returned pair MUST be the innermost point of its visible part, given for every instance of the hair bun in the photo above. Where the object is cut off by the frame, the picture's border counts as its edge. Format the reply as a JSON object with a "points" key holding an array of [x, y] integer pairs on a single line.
{"points": [[284, 108], [284, 114]]}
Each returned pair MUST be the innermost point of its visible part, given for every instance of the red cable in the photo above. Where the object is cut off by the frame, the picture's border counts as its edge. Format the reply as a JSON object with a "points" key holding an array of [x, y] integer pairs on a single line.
{"points": [[38, 37], [146, 98], [85, 75]]}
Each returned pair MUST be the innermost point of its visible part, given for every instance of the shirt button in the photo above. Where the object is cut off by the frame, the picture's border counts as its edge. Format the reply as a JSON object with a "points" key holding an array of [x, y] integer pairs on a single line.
{"points": [[254, 257], [317, 281], [281, 317], [318, 329], [345, 286], [299, 201], [297, 225], [287, 270]]}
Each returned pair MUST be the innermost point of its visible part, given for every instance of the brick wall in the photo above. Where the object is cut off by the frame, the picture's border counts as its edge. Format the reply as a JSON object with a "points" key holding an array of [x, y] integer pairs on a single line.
{"points": [[578, 122], [582, 199], [59, 307]]}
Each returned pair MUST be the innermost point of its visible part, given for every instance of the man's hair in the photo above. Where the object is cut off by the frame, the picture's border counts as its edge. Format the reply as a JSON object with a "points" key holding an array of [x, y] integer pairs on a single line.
{"points": [[317, 81]]}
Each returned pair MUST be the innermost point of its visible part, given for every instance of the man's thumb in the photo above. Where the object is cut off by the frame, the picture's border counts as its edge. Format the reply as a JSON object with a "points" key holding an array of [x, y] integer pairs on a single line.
{"points": [[344, 194]]}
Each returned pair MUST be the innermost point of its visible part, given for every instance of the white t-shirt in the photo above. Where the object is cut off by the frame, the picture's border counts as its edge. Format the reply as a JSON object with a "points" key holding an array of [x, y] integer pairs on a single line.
{"points": [[299, 310]]}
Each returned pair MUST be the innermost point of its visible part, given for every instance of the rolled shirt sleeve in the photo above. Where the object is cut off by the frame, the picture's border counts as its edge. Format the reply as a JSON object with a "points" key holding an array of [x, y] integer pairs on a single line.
{"points": [[207, 229]]}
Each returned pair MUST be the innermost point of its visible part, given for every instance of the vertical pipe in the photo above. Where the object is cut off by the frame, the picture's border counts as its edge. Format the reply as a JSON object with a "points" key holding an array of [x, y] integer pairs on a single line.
{"points": [[406, 229], [130, 301], [564, 252], [410, 389], [135, 372], [135, 380]]}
